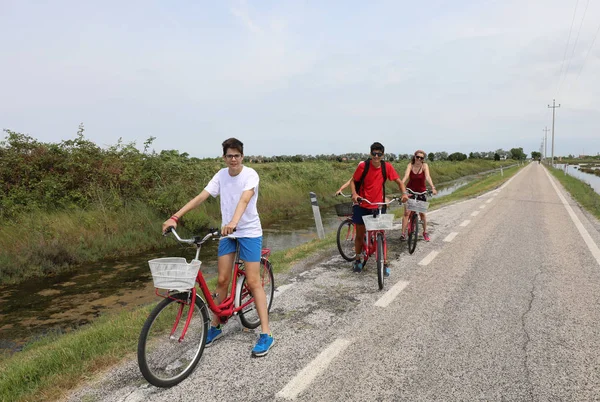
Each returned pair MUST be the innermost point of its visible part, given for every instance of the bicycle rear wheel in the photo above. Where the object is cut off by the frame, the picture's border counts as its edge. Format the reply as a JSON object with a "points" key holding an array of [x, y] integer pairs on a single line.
{"points": [[345, 240], [163, 359], [249, 315], [413, 233], [380, 261]]}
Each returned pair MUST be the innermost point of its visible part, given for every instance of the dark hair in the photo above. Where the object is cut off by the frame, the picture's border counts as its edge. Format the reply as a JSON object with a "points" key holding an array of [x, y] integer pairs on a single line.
{"points": [[377, 146], [418, 151], [233, 143]]}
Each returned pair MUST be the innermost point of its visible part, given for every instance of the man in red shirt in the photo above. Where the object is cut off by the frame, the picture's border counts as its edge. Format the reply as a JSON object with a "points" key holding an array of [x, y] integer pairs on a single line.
{"points": [[371, 188]]}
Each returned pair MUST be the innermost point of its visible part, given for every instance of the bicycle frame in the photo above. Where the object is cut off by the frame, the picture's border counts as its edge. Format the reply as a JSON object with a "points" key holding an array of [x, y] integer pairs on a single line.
{"points": [[226, 308], [370, 244]]}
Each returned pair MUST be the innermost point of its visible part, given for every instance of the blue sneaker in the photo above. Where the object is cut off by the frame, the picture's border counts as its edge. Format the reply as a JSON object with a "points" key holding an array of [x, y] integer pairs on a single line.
{"points": [[214, 333], [386, 272], [265, 342], [357, 267]]}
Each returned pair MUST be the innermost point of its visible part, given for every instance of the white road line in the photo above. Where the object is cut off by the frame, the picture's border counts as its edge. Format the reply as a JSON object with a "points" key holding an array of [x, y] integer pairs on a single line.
{"points": [[582, 231], [450, 237], [314, 368], [429, 258], [490, 200], [465, 223], [475, 213], [481, 206], [391, 294]]}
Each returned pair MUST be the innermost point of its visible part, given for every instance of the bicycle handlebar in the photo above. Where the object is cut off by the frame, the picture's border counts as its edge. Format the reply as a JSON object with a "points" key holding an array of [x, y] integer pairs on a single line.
{"points": [[194, 240], [360, 199], [428, 192]]}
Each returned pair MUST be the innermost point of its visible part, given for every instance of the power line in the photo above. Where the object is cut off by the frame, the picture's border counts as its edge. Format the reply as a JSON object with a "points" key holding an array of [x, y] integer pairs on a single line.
{"points": [[574, 45], [566, 48], [588, 53]]}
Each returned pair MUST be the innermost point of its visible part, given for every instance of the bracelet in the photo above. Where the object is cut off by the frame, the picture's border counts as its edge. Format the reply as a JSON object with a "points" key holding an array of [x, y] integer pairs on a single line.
{"points": [[175, 218]]}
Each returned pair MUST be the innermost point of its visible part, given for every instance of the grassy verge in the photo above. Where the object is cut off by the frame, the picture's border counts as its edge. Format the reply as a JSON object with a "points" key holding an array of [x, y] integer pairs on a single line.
{"points": [[582, 192], [473, 189], [477, 187], [43, 242]]}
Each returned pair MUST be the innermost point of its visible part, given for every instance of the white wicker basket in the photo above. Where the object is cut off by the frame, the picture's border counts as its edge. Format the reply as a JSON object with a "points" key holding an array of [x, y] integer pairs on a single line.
{"points": [[174, 273], [416, 205], [379, 222]]}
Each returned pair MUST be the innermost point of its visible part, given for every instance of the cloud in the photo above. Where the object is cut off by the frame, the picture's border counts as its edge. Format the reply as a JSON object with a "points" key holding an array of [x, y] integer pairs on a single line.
{"points": [[242, 13]]}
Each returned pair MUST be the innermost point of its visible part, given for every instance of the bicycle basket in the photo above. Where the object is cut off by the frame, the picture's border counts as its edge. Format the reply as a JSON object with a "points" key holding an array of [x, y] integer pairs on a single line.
{"points": [[174, 273], [416, 205], [343, 209], [379, 222]]}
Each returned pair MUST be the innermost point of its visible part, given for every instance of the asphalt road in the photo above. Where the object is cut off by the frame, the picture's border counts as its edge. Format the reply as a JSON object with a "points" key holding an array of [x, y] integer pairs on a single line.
{"points": [[502, 305]]}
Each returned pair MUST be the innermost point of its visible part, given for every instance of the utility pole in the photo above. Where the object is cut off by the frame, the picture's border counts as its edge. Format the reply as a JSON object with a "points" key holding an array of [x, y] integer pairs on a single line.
{"points": [[545, 141], [553, 107]]}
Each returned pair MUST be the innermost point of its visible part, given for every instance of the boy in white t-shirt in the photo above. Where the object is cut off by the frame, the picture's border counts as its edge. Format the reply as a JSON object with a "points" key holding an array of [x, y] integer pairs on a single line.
{"points": [[237, 186]]}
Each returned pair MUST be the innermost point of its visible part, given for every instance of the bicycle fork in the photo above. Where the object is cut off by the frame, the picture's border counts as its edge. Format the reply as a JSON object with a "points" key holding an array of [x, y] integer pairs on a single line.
{"points": [[191, 303]]}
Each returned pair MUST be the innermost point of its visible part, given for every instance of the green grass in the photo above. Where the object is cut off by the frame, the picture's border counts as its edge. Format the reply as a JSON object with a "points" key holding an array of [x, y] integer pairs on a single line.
{"points": [[582, 192], [41, 243], [474, 188]]}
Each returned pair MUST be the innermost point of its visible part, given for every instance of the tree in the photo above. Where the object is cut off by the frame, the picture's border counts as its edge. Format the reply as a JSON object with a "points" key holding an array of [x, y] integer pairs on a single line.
{"points": [[517, 154], [441, 156], [431, 156], [457, 156], [536, 155], [496, 156]]}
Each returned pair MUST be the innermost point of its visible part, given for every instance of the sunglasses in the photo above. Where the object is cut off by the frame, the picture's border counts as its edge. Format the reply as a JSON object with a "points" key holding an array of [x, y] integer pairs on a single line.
{"points": [[232, 156], [379, 154], [419, 157]]}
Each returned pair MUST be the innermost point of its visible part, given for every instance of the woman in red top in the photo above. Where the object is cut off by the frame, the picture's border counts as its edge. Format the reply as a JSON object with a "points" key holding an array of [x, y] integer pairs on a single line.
{"points": [[416, 173]]}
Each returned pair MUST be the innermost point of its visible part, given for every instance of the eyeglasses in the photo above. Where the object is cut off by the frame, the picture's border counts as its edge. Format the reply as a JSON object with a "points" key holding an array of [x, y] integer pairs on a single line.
{"points": [[233, 156], [419, 157], [379, 154]]}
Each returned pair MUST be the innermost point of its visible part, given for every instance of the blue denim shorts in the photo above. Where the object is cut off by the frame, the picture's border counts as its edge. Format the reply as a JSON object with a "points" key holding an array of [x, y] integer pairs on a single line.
{"points": [[250, 247], [358, 212]]}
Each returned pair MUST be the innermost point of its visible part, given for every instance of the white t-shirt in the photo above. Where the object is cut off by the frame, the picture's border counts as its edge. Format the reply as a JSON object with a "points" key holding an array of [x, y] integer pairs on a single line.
{"points": [[230, 188]]}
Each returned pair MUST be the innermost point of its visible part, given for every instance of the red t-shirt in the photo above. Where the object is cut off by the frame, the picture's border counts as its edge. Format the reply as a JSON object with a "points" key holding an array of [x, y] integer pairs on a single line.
{"points": [[372, 186]]}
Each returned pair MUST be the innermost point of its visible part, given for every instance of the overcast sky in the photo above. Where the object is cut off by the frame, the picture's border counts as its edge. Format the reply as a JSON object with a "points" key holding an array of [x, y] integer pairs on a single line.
{"points": [[304, 77]]}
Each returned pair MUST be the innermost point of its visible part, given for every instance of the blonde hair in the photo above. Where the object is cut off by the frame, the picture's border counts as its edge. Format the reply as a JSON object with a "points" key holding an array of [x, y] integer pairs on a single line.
{"points": [[418, 151]]}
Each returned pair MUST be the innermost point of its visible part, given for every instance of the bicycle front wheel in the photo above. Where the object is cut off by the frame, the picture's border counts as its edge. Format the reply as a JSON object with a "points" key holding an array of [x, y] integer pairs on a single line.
{"points": [[380, 261], [163, 358], [413, 232], [249, 315], [345, 240]]}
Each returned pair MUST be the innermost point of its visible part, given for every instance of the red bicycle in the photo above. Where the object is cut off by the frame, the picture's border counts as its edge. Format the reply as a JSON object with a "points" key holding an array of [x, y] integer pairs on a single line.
{"points": [[346, 231], [174, 335], [375, 241], [416, 207]]}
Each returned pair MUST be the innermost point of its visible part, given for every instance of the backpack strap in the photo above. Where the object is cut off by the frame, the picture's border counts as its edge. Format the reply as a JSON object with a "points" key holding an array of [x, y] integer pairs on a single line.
{"points": [[384, 174], [359, 183]]}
